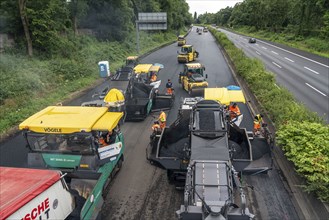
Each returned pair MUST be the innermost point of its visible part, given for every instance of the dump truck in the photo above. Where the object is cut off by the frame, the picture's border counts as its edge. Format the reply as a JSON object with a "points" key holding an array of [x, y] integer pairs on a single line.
{"points": [[121, 77], [36, 194], [187, 54], [204, 153], [141, 97], [85, 143], [132, 61], [181, 40], [193, 78]]}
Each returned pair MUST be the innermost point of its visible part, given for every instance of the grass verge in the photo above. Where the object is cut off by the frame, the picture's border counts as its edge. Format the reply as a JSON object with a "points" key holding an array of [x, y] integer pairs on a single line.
{"points": [[28, 85]]}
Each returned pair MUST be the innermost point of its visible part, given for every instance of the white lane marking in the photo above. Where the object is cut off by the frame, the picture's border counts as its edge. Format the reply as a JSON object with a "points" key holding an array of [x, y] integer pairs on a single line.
{"points": [[277, 86], [274, 52], [289, 59], [316, 89], [311, 70], [258, 53], [264, 48], [276, 64], [257, 45], [295, 54], [247, 46]]}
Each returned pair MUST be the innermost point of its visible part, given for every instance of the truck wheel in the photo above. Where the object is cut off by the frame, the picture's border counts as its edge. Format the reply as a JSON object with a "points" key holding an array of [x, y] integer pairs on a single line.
{"points": [[119, 164]]}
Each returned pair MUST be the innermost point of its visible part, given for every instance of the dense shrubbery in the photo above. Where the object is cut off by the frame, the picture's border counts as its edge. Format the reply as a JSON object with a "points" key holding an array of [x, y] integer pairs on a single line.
{"points": [[305, 144], [29, 84]]}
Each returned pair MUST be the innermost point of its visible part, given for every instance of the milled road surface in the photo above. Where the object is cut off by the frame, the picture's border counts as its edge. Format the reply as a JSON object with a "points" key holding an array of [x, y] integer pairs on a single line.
{"points": [[140, 190]]}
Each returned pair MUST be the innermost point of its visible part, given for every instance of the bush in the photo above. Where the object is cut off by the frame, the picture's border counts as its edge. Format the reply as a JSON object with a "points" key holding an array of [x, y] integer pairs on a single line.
{"points": [[306, 145], [28, 85]]}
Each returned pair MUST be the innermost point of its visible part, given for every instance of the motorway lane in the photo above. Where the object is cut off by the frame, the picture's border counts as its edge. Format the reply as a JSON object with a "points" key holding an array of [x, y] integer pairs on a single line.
{"points": [[306, 77], [140, 190]]}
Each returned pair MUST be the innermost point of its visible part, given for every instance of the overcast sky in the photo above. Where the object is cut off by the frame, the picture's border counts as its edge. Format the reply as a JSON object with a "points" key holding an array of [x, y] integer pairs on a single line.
{"points": [[210, 6]]}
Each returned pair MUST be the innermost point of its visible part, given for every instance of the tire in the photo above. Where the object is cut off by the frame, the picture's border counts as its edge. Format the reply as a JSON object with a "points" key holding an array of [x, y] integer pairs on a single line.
{"points": [[119, 164]]}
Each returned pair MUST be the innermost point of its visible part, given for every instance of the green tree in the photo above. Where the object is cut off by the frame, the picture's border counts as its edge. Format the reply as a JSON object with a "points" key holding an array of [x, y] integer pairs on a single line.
{"points": [[47, 20], [25, 22], [78, 9]]}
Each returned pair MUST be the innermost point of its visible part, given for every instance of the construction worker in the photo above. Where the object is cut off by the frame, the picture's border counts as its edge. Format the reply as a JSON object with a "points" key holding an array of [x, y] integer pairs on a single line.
{"points": [[162, 119], [257, 126], [234, 111], [153, 78], [169, 87], [156, 127], [107, 138]]}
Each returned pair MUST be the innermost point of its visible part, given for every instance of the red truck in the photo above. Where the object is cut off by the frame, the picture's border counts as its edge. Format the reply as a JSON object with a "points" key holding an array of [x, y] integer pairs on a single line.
{"points": [[29, 194]]}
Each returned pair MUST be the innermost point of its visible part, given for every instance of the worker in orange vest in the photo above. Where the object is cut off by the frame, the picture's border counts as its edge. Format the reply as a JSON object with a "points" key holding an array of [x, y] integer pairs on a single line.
{"points": [[169, 87], [162, 119], [257, 126], [153, 78], [234, 111], [156, 127]]}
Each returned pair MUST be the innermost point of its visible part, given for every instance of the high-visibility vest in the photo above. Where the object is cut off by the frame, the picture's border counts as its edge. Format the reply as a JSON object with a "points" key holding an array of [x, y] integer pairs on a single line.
{"points": [[162, 117], [236, 110], [256, 125], [169, 91], [154, 78]]}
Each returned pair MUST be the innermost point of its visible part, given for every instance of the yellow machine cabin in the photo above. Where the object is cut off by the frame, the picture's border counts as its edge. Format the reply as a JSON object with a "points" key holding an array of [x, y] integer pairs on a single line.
{"points": [[193, 79], [187, 54]]}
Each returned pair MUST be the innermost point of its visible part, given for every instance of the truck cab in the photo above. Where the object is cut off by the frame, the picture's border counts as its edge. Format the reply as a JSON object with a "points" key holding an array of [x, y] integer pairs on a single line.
{"points": [[187, 54], [84, 142], [193, 78], [132, 61], [145, 72], [181, 40]]}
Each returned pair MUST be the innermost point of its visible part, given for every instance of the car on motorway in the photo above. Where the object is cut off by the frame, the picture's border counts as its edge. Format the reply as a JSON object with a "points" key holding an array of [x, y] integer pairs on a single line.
{"points": [[252, 40]]}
